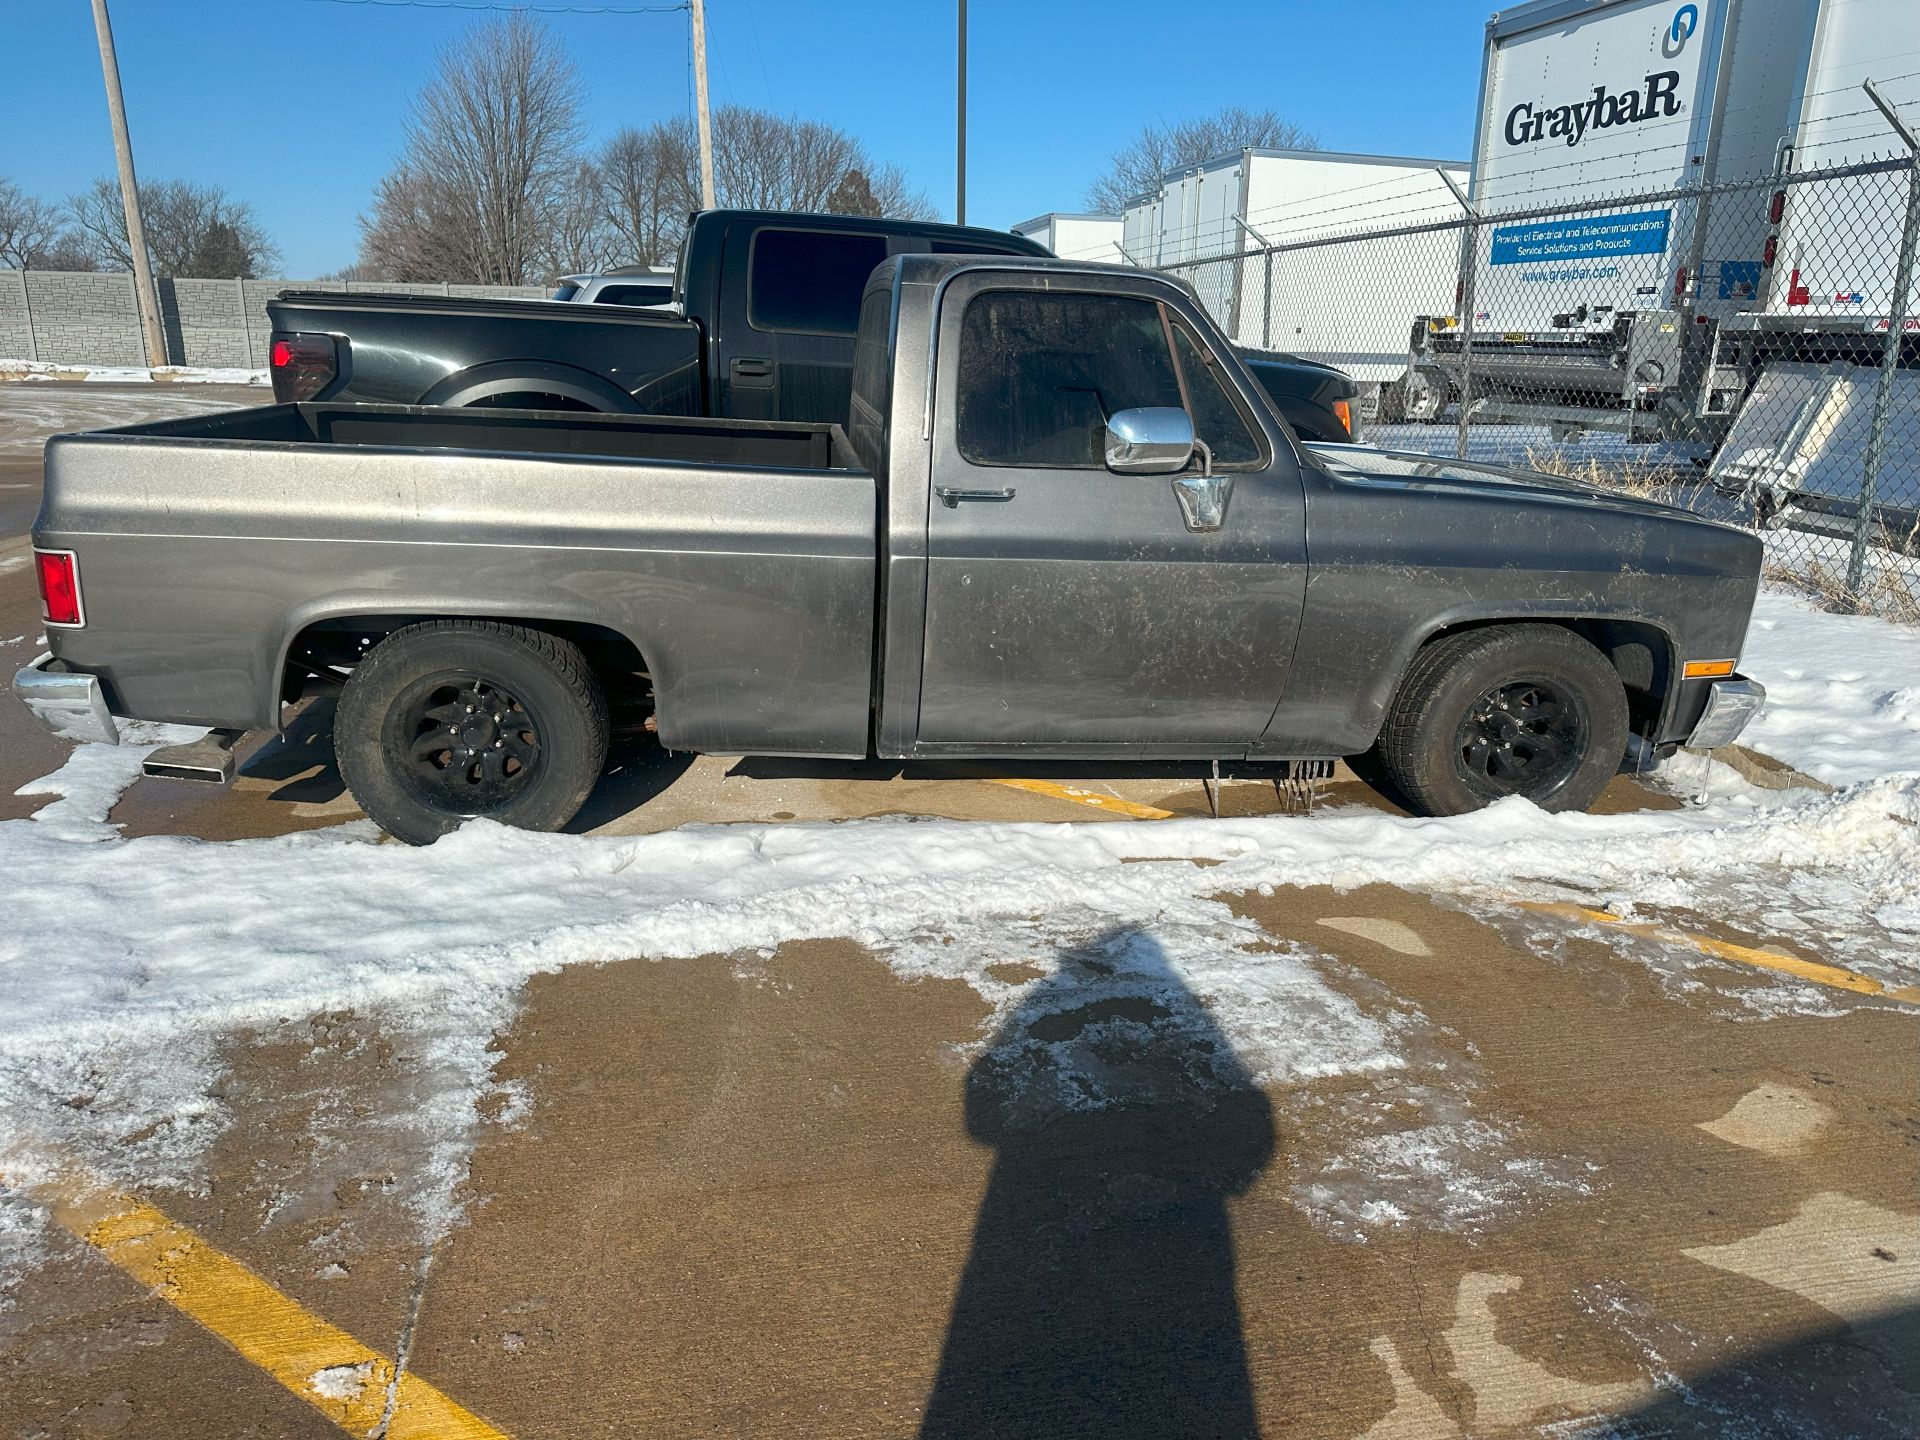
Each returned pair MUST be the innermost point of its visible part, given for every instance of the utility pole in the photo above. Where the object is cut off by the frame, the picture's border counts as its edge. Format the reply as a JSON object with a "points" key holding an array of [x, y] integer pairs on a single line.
{"points": [[705, 117], [147, 296], [960, 165]]}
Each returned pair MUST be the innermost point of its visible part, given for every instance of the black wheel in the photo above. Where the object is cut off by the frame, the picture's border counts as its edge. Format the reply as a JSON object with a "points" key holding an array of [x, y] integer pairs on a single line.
{"points": [[451, 720], [1529, 710]]}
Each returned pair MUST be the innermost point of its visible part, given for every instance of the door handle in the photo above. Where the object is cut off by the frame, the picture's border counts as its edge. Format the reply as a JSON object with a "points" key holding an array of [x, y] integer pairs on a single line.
{"points": [[1203, 500], [951, 497], [751, 373]]}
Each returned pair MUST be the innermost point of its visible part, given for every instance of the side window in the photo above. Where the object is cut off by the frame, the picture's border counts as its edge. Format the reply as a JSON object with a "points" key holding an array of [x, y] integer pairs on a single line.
{"points": [[1040, 373], [1217, 416], [658, 294], [810, 280]]}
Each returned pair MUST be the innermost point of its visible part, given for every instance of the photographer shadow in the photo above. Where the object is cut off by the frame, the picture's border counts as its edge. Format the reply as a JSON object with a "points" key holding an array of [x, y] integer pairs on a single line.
{"points": [[1098, 1297]]}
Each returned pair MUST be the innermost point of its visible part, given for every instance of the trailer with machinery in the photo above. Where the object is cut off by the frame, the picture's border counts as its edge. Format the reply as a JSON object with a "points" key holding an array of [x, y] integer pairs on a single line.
{"points": [[1609, 249]]}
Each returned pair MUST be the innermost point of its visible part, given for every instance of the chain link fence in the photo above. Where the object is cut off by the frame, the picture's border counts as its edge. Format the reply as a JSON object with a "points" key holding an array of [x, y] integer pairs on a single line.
{"points": [[1748, 349]]}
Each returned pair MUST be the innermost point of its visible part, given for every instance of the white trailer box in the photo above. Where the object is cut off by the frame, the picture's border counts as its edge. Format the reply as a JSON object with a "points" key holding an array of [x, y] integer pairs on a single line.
{"points": [[1598, 305], [1344, 303], [1076, 237], [1840, 264]]}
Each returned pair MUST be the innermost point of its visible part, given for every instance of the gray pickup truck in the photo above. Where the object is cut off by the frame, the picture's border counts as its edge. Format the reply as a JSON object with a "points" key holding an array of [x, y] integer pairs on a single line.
{"points": [[1062, 520]]}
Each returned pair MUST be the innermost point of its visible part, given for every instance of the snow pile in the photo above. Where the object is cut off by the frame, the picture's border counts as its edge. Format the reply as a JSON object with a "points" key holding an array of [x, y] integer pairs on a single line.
{"points": [[1843, 691], [12, 369]]}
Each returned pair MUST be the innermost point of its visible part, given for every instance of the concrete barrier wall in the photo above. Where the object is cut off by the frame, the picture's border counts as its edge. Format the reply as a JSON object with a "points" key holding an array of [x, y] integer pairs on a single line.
{"points": [[71, 317]]}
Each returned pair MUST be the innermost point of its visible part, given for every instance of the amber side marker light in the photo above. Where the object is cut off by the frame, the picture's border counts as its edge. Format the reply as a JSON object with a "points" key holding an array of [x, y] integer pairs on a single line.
{"points": [[1709, 669], [1343, 412]]}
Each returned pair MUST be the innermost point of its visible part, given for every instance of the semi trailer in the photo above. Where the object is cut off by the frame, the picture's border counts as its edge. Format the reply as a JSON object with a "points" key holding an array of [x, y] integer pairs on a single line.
{"points": [[1615, 237]]}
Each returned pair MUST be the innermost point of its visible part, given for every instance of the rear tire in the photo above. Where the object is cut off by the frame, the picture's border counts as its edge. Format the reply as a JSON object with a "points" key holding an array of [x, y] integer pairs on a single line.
{"points": [[1530, 710], [451, 720]]}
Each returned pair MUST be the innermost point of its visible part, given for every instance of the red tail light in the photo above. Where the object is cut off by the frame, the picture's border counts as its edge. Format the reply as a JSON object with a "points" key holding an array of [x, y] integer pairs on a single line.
{"points": [[1459, 294], [59, 577], [1776, 207], [1680, 282], [303, 365], [1768, 253]]}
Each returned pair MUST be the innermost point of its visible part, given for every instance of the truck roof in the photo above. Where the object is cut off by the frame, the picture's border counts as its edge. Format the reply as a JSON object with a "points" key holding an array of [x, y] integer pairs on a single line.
{"points": [[799, 219]]}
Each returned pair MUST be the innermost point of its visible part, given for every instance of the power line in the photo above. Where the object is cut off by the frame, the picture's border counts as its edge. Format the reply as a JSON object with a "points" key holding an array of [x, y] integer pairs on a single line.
{"points": [[487, 5]]}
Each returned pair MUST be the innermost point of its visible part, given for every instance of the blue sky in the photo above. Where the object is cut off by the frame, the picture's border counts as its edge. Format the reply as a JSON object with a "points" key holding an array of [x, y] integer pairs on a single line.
{"points": [[296, 105]]}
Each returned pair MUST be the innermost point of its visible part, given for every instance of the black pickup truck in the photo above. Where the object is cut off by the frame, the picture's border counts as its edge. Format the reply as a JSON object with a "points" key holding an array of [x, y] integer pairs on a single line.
{"points": [[766, 304]]}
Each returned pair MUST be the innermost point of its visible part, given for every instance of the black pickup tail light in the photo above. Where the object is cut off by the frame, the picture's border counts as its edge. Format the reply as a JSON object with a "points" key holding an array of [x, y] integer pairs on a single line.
{"points": [[303, 365]]}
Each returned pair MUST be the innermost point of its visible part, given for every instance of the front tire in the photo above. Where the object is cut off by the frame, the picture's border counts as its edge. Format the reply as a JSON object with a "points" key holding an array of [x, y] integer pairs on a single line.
{"points": [[1529, 710], [453, 720]]}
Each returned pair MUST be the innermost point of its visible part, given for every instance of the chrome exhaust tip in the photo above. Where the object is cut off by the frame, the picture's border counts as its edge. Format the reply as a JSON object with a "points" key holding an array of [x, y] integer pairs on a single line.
{"points": [[208, 760]]}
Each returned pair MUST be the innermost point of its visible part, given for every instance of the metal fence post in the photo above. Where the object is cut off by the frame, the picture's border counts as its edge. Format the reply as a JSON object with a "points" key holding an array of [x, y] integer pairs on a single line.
{"points": [[1466, 334], [1266, 306], [1889, 360]]}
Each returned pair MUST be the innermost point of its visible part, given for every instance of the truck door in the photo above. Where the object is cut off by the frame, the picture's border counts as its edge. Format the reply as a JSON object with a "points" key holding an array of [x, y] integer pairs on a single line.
{"points": [[1072, 608], [792, 359]]}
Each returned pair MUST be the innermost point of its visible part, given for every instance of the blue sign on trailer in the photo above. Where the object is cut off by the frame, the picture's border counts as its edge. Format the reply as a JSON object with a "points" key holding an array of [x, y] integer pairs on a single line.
{"points": [[1584, 237]]}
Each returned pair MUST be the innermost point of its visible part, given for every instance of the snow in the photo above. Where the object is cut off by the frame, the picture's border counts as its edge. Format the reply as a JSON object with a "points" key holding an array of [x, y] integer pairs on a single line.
{"points": [[1843, 691], [341, 1382], [124, 963], [46, 370]]}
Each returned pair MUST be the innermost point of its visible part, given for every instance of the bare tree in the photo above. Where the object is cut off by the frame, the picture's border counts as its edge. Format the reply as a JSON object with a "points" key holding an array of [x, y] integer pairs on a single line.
{"points": [[489, 166], [192, 230], [763, 161], [649, 184], [1137, 169], [649, 179], [583, 238], [31, 230]]}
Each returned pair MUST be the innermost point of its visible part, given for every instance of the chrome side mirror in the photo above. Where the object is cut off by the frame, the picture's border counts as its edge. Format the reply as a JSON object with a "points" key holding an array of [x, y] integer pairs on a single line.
{"points": [[1149, 440]]}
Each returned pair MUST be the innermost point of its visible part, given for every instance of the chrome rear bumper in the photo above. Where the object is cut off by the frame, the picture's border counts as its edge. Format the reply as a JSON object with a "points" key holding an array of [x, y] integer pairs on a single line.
{"points": [[66, 702], [1730, 705]]}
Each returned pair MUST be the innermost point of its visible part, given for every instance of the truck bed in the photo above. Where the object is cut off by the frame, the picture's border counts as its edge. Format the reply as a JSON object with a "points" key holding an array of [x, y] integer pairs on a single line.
{"points": [[680, 439], [737, 557]]}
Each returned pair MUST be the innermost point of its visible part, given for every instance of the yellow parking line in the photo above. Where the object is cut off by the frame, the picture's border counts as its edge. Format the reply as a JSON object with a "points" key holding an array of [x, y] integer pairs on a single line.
{"points": [[341, 1378], [1821, 974], [1091, 798]]}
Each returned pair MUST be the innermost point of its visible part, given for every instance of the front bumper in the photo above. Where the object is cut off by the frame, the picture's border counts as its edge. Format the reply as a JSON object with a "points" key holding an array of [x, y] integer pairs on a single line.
{"points": [[66, 702], [1730, 705]]}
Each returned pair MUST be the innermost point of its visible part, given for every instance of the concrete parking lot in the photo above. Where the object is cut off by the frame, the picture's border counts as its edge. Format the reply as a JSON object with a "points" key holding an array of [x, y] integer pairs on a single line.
{"points": [[1333, 1158]]}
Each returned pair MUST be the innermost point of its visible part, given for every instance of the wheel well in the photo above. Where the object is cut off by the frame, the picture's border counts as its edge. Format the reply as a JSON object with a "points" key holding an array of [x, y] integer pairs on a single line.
{"points": [[1641, 654], [322, 654]]}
